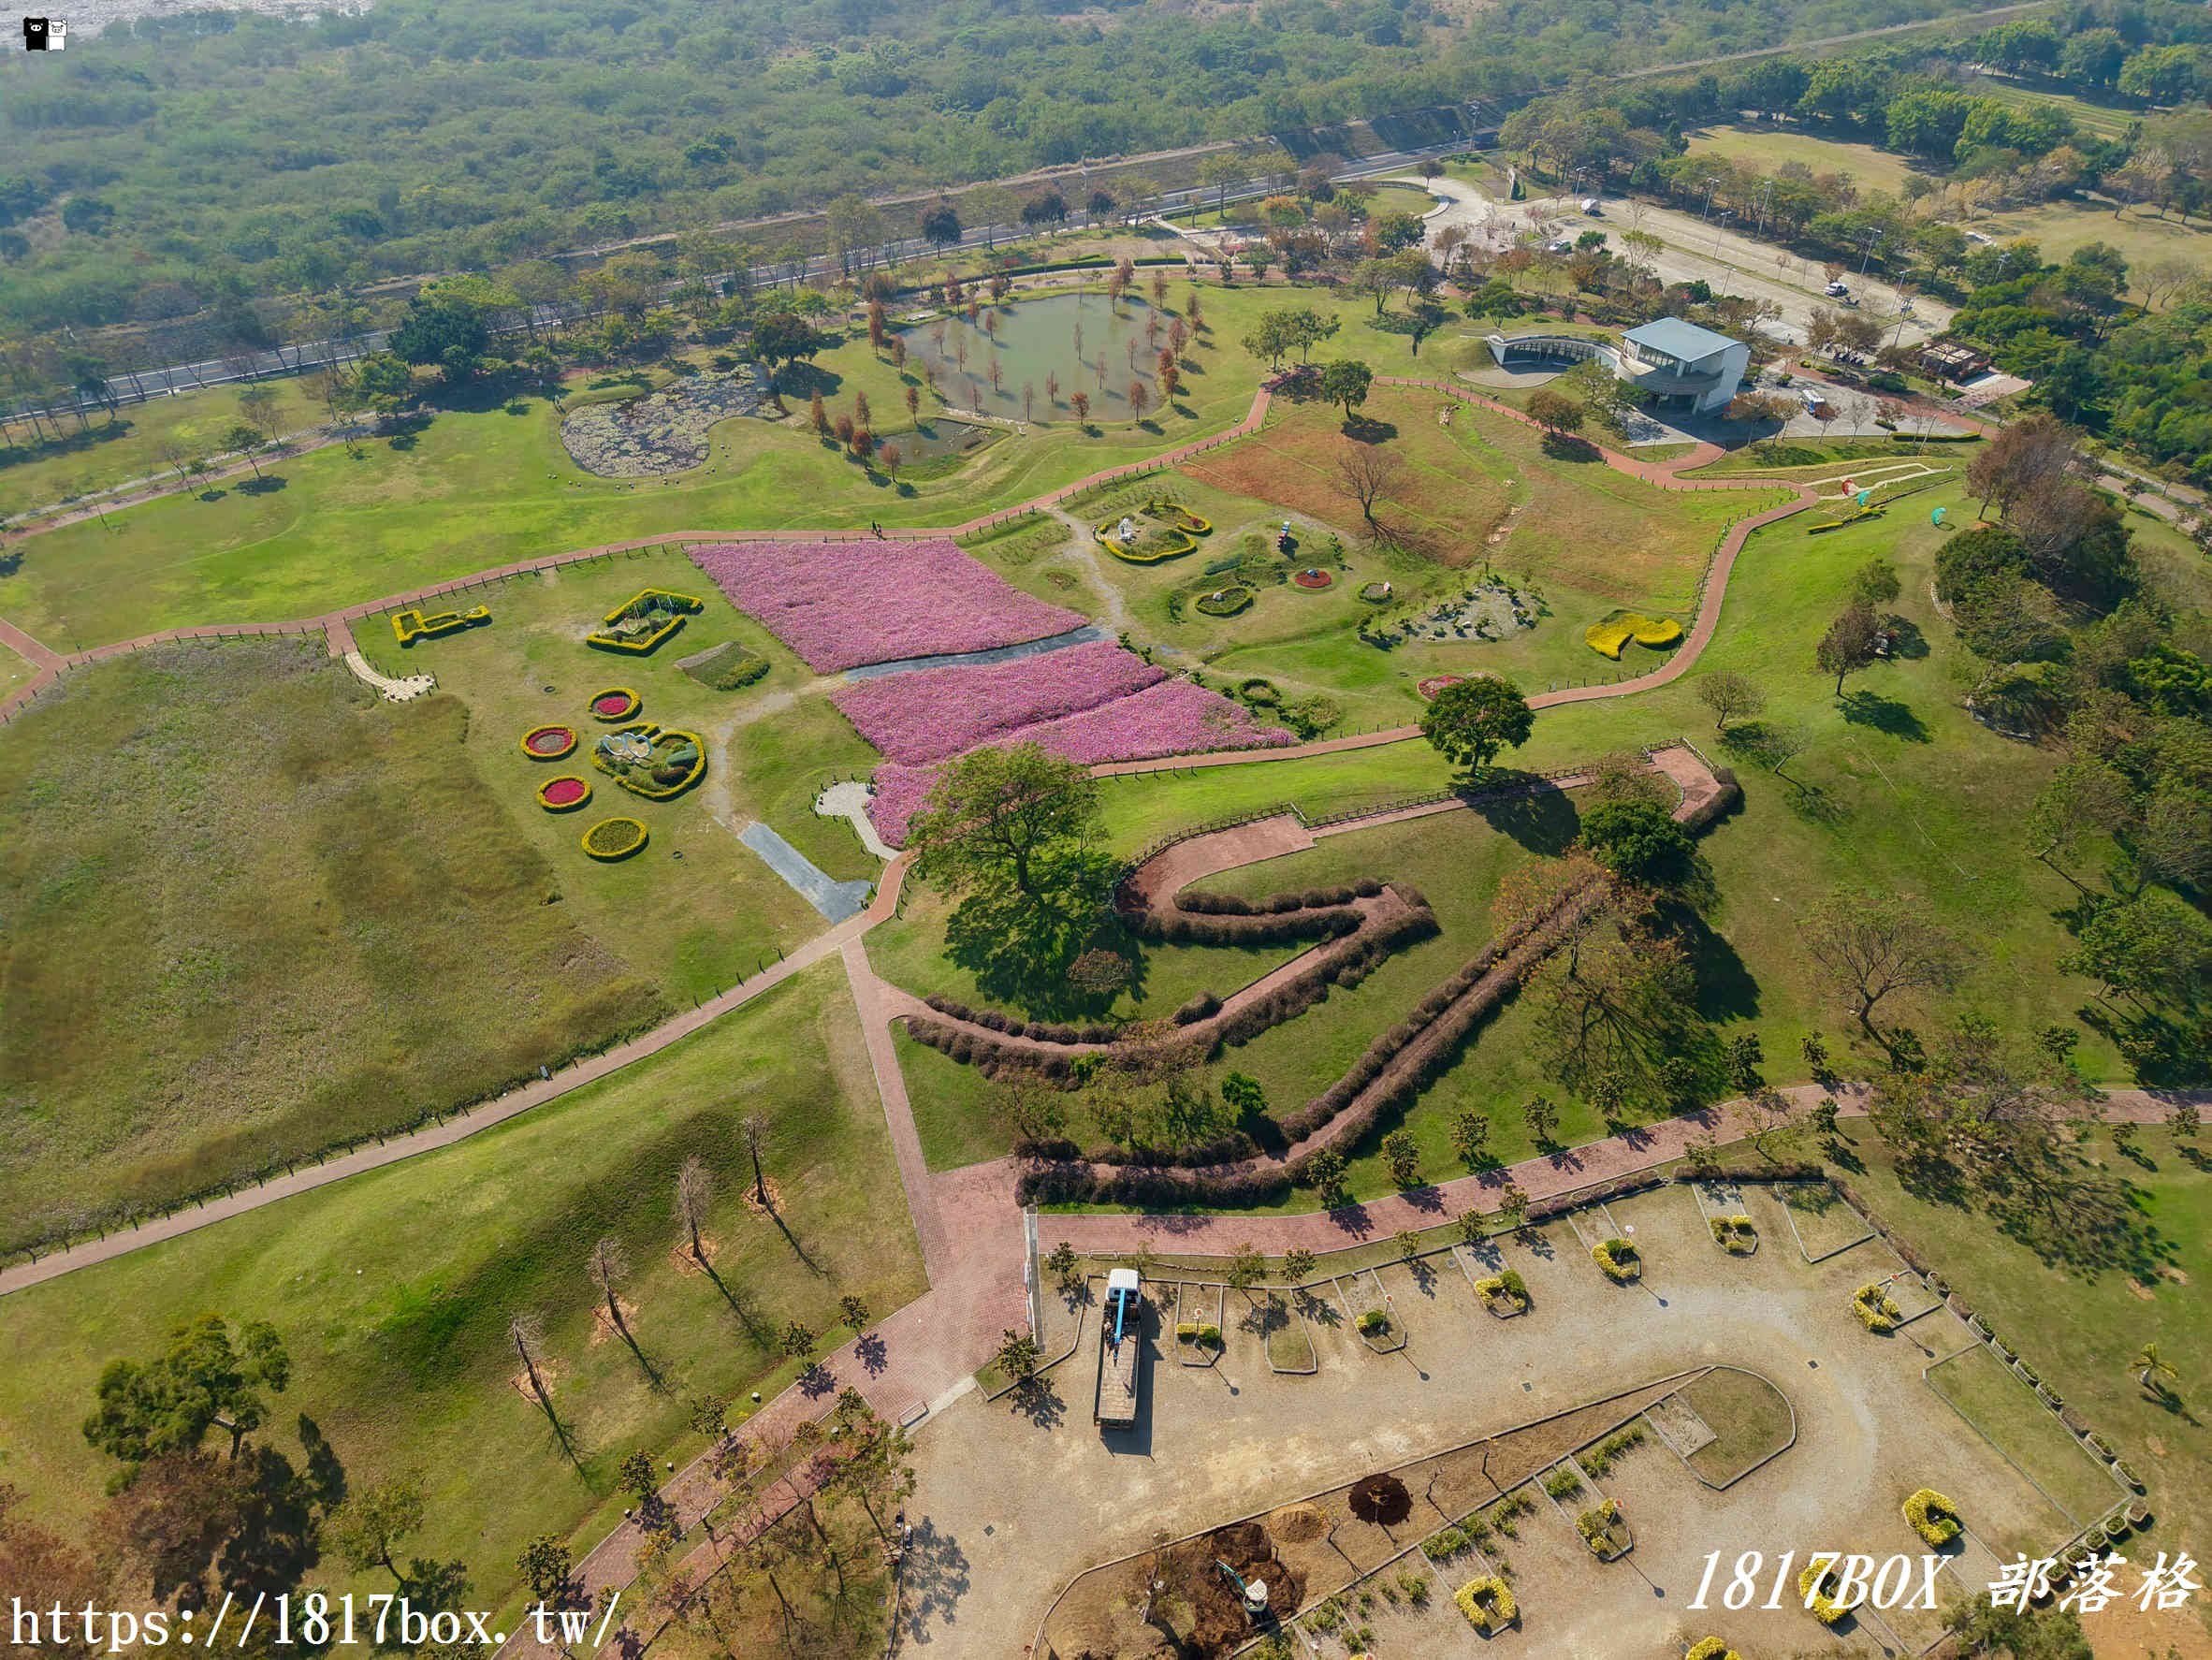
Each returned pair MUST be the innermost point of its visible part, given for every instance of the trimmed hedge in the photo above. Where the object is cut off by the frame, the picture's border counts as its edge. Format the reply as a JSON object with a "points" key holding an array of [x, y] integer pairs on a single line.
{"points": [[1874, 1308], [1711, 1648], [1933, 1517], [1488, 1603], [1812, 1592], [1619, 1259]]}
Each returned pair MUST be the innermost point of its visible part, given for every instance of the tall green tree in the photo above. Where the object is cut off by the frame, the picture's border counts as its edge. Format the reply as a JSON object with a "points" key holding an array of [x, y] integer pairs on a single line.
{"points": [[996, 818], [1470, 722], [202, 1381]]}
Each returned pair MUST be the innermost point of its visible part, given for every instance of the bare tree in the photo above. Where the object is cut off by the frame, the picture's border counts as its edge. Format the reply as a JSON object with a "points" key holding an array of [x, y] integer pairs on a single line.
{"points": [[527, 1332], [1730, 697], [1873, 944], [1781, 742], [1369, 475], [694, 1196], [609, 1265], [756, 1136]]}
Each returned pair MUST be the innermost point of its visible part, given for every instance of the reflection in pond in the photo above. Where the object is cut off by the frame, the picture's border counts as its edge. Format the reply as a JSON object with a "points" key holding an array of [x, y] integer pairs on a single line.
{"points": [[1028, 361]]}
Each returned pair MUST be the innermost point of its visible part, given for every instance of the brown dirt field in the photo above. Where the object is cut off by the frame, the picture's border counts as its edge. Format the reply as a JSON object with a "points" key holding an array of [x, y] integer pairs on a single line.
{"points": [[1580, 523]]}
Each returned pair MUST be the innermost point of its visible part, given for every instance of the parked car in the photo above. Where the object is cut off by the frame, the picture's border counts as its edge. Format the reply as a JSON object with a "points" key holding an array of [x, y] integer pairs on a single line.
{"points": [[1592, 206], [1838, 290]]}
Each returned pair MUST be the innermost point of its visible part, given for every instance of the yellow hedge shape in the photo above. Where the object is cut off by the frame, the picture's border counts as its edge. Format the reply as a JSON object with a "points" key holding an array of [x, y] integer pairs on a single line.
{"points": [[1711, 1648], [614, 838], [1609, 636], [1618, 1258], [1876, 1310], [1933, 1517], [1488, 1604], [1812, 1592]]}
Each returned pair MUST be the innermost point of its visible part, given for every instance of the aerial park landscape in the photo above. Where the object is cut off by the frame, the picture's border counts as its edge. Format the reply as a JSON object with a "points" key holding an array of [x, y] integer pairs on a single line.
{"points": [[640, 967]]}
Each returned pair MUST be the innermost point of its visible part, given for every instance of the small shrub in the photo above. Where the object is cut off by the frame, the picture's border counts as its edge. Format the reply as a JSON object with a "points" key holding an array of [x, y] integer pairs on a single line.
{"points": [[1813, 1591], [1374, 1322], [1562, 1481], [1875, 1309], [1933, 1517], [1711, 1648], [1619, 1260], [1186, 1331]]}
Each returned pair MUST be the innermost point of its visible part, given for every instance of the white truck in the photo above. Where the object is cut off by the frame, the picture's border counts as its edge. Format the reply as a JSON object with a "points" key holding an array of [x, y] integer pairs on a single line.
{"points": [[1121, 1347]]}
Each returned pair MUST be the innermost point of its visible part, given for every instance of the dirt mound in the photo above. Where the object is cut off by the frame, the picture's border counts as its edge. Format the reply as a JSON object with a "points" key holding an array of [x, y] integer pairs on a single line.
{"points": [[1298, 1524], [1218, 1623], [1381, 1499]]}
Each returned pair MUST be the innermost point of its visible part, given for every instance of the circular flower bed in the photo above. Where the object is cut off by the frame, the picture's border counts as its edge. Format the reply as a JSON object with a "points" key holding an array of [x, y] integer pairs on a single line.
{"points": [[1312, 578], [1435, 683], [564, 794], [548, 743], [615, 838], [1224, 601], [1376, 594], [617, 703]]}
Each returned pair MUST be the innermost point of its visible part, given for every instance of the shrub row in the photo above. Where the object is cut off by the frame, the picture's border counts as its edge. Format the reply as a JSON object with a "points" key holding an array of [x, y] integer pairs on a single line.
{"points": [[1145, 1186], [1202, 1007], [1014, 1025], [1211, 904], [1180, 929], [1737, 1175]]}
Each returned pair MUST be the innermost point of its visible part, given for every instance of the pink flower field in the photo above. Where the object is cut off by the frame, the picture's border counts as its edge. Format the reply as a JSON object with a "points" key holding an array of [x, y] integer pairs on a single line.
{"points": [[928, 714], [839, 604], [1167, 718]]}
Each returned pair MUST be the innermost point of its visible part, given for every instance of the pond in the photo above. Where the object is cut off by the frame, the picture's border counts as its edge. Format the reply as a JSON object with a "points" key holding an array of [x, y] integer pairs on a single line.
{"points": [[1027, 360]]}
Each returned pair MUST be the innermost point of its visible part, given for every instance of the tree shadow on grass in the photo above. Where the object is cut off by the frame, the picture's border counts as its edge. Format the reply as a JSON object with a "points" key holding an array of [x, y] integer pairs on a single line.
{"points": [[1541, 817], [267, 485], [1884, 714], [1365, 429], [1726, 989]]}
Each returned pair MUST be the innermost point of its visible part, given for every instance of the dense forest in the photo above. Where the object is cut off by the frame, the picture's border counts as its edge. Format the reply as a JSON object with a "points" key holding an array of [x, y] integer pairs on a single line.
{"points": [[199, 160]]}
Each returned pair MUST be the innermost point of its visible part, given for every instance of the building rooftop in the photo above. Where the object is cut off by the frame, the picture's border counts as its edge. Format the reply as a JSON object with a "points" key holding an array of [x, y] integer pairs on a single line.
{"points": [[1677, 339]]}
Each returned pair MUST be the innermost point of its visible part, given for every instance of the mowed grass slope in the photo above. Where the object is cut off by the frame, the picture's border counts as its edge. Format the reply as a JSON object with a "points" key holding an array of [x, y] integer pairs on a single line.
{"points": [[489, 484], [393, 1289], [250, 911]]}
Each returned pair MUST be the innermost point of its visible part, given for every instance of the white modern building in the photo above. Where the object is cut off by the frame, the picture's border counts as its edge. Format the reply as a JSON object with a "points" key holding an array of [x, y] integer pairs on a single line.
{"points": [[1676, 365]]}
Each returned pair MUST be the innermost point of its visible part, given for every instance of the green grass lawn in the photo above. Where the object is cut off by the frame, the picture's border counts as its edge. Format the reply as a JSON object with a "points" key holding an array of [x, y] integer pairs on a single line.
{"points": [[766, 761], [249, 910], [2078, 1309], [393, 1289], [1767, 147], [102, 452]]}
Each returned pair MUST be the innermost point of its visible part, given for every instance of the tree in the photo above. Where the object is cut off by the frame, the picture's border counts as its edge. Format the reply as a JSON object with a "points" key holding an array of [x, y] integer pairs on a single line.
{"points": [[755, 1130], [1016, 1356], [1470, 1136], [1556, 415], [941, 224], [1472, 720], [1875, 585], [245, 440], [854, 1312], [1324, 1173], [369, 1526], [526, 1334], [2152, 1369], [1873, 945], [1370, 474], [1081, 403], [1640, 842], [1513, 1204], [545, 1565], [1404, 1155], [694, 1198], [1542, 1117], [782, 337], [448, 334], [1139, 399], [1298, 1265], [999, 817], [1247, 1267], [1849, 646], [609, 1266], [258, 405], [202, 1381], [1063, 1263], [798, 1340], [2084, 798], [1347, 382], [1730, 696]]}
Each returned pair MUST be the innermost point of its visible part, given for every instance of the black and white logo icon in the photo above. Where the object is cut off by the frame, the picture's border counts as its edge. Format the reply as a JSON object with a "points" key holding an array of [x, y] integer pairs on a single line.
{"points": [[45, 34]]}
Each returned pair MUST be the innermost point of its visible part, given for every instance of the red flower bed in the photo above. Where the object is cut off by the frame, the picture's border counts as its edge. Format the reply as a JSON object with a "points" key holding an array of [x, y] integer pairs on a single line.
{"points": [[1311, 578], [614, 706], [1435, 683], [548, 743], [557, 794]]}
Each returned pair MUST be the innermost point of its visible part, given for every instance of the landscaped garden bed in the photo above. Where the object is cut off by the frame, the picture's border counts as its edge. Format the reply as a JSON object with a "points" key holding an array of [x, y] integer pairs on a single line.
{"points": [[657, 433], [617, 703], [1604, 1530], [725, 667], [1619, 1260], [411, 626], [615, 838], [1488, 1603], [1313, 576], [1609, 635], [1504, 1294], [1225, 602], [1373, 1318], [930, 714], [1158, 531], [1933, 1517], [548, 743], [1487, 611], [1876, 1310], [1289, 1344], [639, 624], [655, 761], [1435, 683], [564, 794], [1734, 1235]]}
